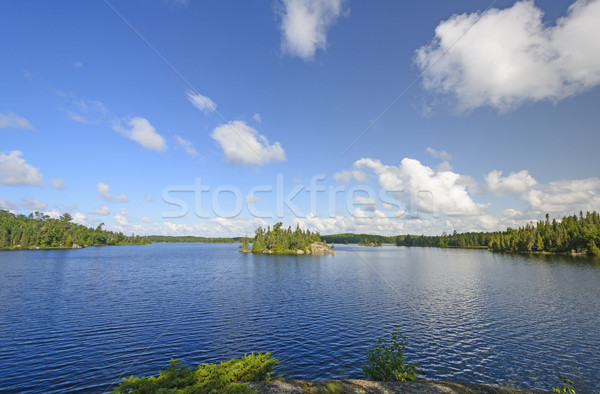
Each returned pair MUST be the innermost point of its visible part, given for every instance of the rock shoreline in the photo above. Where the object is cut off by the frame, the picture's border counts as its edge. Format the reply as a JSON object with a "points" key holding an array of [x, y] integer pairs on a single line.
{"points": [[368, 386]]}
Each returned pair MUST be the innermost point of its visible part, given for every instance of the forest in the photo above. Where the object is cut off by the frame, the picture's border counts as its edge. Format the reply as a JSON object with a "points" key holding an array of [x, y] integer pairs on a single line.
{"points": [[571, 234], [281, 241], [39, 231], [361, 239]]}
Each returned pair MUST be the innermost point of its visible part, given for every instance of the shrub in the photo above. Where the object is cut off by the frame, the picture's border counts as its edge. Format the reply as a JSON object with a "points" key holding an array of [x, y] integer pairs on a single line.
{"points": [[567, 386], [385, 360], [226, 377]]}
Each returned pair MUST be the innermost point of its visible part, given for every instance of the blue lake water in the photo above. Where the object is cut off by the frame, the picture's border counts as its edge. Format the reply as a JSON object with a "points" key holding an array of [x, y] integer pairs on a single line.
{"points": [[78, 320]]}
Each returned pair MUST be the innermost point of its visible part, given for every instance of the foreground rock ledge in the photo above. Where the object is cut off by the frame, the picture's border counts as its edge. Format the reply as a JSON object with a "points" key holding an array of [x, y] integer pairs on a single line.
{"points": [[368, 386]]}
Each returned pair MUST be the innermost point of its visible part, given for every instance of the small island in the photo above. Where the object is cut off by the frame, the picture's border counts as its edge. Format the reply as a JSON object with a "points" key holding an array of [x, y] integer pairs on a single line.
{"points": [[286, 241]]}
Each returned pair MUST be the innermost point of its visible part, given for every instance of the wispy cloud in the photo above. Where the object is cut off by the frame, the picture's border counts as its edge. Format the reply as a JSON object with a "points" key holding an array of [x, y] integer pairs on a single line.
{"points": [[439, 154], [187, 145], [10, 120], [201, 102]]}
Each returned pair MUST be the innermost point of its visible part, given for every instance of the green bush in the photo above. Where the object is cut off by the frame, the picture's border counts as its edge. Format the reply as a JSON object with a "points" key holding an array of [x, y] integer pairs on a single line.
{"points": [[226, 377], [385, 360], [567, 386]]}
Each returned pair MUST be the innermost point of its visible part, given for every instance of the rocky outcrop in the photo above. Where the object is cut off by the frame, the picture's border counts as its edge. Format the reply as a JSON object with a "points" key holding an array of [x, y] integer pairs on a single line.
{"points": [[320, 249], [368, 386]]}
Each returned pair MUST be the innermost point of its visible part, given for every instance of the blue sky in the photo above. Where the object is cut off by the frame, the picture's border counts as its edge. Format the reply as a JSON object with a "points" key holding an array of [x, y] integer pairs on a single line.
{"points": [[407, 117]]}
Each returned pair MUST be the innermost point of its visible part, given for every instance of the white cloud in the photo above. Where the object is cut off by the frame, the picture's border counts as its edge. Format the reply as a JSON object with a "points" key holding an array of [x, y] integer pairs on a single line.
{"points": [[79, 218], [201, 102], [187, 145], [142, 132], [121, 218], [103, 190], [31, 204], [444, 166], [515, 182], [250, 199], [364, 200], [257, 118], [439, 154], [565, 196], [243, 145], [217, 227], [6, 204], [9, 120], [54, 214], [304, 25], [58, 183], [102, 210], [78, 64], [510, 56], [14, 170], [346, 177], [424, 189], [145, 219]]}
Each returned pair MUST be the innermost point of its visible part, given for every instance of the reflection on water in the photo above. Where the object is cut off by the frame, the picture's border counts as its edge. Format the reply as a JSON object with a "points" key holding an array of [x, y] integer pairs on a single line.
{"points": [[80, 319]]}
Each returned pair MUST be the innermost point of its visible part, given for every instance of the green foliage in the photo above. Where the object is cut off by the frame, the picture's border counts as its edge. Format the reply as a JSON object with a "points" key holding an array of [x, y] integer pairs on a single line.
{"points": [[572, 234], [226, 377], [283, 241], [351, 238], [385, 360], [40, 231], [567, 386], [333, 388]]}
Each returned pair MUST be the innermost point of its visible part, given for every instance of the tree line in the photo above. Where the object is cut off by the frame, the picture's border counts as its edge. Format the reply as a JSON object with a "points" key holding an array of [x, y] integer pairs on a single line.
{"points": [[577, 234], [41, 231]]}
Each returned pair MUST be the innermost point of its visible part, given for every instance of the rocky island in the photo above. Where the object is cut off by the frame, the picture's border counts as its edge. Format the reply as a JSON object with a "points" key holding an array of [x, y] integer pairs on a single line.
{"points": [[286, 241]]}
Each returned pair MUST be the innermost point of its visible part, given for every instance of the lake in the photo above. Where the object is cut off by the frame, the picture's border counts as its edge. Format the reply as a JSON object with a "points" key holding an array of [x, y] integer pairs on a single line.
{"points": [[78, 320]]}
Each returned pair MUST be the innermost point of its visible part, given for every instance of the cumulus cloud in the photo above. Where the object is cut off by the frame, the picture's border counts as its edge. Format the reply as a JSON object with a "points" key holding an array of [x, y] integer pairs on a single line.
{"points": [[58, 183], [79, 218], [346, 177], [121, 218], [9, 120], [101, 210], [201, 102], [304, 25], [31, 204], [187, 145], [257, 118], [243, 145], [14, 170], [564, 196], [145, 219], [515, 182], [503, 58], [103, 190], [141, 131], [423, 188], [439, 154]]}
